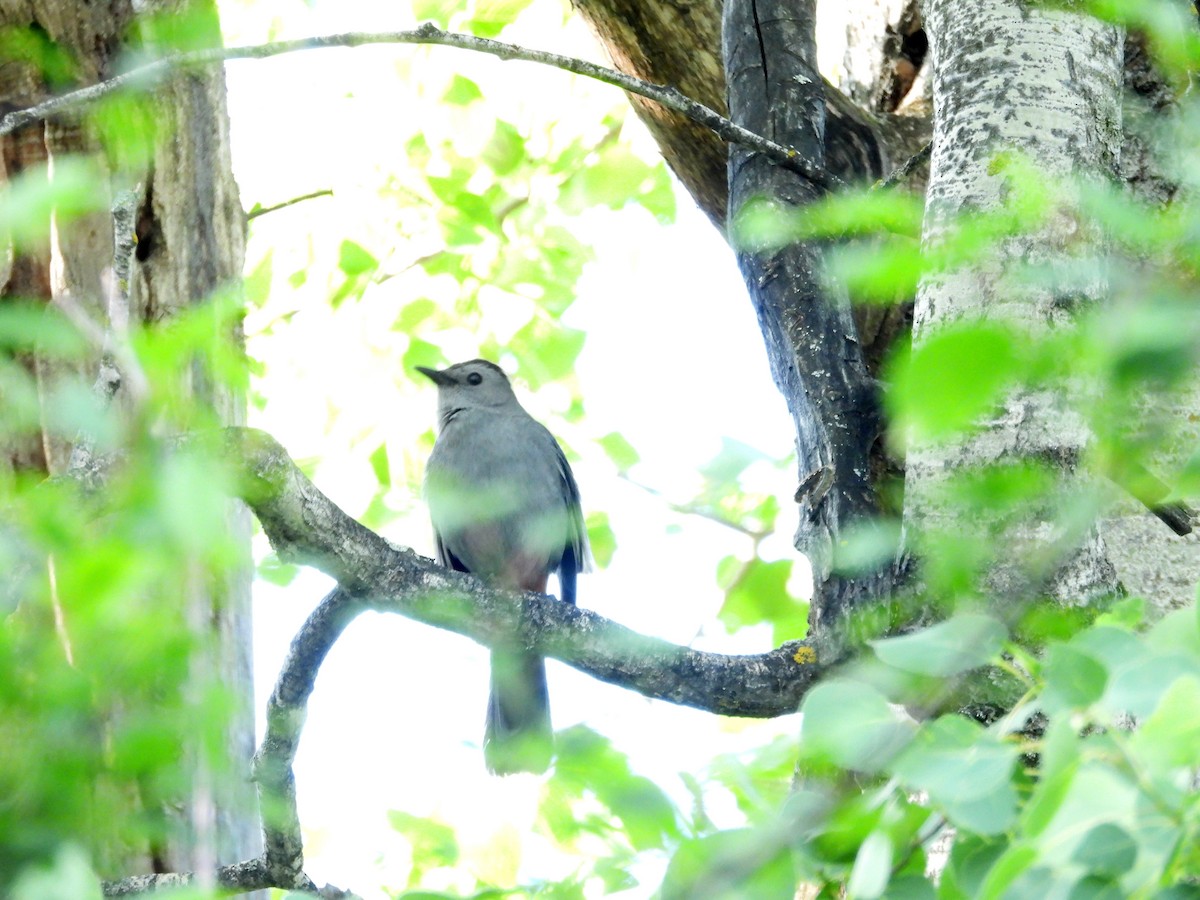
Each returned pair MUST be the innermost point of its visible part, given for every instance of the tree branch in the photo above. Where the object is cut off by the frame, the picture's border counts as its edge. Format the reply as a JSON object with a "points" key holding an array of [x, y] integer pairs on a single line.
{"points": [[305, 526], [150, 74], [258, 210]]}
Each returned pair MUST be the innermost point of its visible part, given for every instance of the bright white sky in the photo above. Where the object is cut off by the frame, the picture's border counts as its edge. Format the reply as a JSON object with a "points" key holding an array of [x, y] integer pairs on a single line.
{"points": [[673, 360]]}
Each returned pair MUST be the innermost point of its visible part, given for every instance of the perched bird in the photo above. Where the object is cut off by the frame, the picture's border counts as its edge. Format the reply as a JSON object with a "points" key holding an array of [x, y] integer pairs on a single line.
{"points": [[505, 507]]}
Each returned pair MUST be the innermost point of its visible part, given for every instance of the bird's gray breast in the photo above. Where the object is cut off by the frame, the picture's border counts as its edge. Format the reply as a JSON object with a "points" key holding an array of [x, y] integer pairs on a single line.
{"points": [[495, 492]]}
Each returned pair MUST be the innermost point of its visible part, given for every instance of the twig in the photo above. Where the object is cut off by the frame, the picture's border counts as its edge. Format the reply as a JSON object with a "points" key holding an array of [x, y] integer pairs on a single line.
{"points": [[694, 509], [910, 166], [263, 210], [150, 74]]}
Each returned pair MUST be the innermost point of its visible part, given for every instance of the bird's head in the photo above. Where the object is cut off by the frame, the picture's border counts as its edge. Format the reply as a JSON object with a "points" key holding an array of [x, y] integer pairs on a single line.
{"points": [[477, 384]]}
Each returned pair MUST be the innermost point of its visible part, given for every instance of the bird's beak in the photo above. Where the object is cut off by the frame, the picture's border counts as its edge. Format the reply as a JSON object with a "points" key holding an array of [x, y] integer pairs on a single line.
{"points": [[441, 379]]}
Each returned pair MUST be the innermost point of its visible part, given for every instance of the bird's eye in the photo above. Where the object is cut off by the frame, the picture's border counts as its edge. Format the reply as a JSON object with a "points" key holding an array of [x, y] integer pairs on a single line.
{"points": [[474, 378]]}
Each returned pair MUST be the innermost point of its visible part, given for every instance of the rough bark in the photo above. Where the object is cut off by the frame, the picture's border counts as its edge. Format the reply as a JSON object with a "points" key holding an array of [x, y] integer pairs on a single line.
{"points": [[679, 44], [194, 247], [1047, 84], [812, 341], [191, 249]]}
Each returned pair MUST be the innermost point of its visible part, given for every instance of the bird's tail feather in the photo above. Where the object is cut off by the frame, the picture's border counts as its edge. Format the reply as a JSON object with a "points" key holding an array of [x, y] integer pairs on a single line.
{"points": [[518, 736]]}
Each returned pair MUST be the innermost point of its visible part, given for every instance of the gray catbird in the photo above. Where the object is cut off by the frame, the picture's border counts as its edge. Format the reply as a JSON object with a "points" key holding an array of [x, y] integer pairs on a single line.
{"points": [[505, 507]]}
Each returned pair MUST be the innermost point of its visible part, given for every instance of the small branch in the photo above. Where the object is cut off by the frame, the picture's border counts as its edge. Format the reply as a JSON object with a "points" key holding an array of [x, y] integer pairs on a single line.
{"points": [[911, 165], [695, 509], [263, 210], [150, 74]]}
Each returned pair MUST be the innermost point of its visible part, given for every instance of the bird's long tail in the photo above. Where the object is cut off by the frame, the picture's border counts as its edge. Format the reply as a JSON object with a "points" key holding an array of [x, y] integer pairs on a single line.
{"points": [[518, 736]]}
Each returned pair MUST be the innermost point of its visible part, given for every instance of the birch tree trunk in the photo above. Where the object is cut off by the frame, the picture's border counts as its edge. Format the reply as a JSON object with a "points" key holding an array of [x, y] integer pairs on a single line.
{"points": [[1046, 85]]}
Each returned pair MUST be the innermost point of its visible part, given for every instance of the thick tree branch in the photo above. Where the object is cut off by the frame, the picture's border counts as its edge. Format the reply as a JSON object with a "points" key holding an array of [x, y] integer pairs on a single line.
{"points": [[669, 97], [305, 526], [816, 356]]}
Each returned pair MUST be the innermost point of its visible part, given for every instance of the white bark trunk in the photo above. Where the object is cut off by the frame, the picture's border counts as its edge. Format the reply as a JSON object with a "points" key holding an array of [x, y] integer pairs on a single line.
{"points": [[1045, 84]]}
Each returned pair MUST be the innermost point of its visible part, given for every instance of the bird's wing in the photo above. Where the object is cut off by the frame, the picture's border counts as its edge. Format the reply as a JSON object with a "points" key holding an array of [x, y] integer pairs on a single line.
{"points": [[580, 551], [445, 557]]}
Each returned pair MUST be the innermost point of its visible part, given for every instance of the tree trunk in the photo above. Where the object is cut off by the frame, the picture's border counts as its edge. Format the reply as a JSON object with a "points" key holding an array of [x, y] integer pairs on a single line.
{"points": [[191, 232], [1045, 84]]}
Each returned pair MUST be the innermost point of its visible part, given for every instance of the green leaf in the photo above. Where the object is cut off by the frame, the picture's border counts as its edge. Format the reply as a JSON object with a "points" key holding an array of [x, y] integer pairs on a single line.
{"points": [[910, 887], [1137, 687], [601, 537], [1007, 869], [731, 461], [379, 465], [68, 877], [966, 770], [1106, 850], [953, 758], [436, 11], [1169, 738], [492, 16], [462, 91], [587, 762], [971, 858], [434, 844], [852, 725], [505, 150], [256, 287], [959, 644], [872, 867], [619, 450], [276, 572], [952, 378], [615, 179], [1096, 887], [1074, 679], [547, 352], [759, 595], [730, 865], [354, 259]]}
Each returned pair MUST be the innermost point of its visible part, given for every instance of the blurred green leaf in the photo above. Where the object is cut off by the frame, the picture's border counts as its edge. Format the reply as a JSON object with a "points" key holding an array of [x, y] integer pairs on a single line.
{"points": [[1170, 736], [355, 259], [601, 537], [434, 844], [730, 864], [964, 642], [491, 16], [462, 91], [506, 149], [953, 378], [379, 465], [866, 547], [758, 594], [587, 762], [436, 11], [872, 867], [1074, 679], [852, 725], [619, 450], [1106, 850], [955, 760]]}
